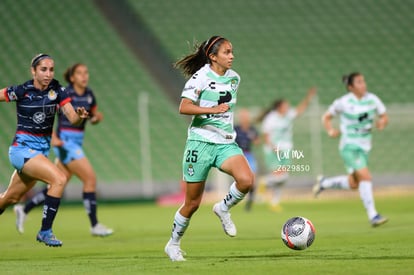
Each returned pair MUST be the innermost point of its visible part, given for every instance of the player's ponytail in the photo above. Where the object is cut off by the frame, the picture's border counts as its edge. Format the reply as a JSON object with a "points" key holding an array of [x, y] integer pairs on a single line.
{"points": [[67, 75], [201, 56], [348, 79], [275, 106]]}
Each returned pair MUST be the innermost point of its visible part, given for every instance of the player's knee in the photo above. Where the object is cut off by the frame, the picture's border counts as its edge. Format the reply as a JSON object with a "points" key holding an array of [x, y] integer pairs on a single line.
{"points": [[249, 178], [245, 181], [59, 181], [90, 184], [13, 199], [353, 185], [192, 206]]}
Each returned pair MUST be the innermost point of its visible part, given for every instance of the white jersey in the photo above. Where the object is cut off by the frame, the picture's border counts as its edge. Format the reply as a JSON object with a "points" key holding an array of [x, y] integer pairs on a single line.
{"points": [[356, 118], [279, 128], [208, 89]]}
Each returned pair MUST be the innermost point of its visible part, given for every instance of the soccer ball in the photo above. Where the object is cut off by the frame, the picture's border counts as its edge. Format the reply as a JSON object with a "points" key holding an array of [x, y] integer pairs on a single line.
{"points": [[298, 233]]}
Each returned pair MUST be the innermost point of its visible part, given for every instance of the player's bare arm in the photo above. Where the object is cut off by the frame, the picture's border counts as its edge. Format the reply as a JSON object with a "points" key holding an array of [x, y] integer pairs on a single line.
{"points": [[382, 121], [2, 96], [75, 117], [187, 107], [96, 116], [327, 124], [301, 108]]}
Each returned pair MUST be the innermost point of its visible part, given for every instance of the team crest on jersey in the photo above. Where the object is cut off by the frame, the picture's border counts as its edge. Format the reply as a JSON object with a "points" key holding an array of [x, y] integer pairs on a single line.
{"points": [[190, 170], [52, 95], [39, 117], [233, 84]]}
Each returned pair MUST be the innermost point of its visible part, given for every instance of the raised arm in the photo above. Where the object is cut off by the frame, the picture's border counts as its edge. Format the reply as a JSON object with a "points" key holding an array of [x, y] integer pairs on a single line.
{"points": [[187, 107], [301, 108], [75, 117]]}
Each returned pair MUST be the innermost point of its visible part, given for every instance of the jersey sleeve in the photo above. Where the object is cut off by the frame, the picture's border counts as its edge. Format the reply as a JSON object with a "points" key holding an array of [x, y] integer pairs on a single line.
{"points": [[335, 108], [267, 124], [292, 114], [192, 88], [13, 93], [381, 109], [94, 104], [63, 96]]}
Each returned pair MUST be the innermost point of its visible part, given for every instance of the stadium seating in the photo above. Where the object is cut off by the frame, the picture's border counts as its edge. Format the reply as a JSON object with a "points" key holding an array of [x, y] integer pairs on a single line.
{"points": [[281, 49], [73, 31]]}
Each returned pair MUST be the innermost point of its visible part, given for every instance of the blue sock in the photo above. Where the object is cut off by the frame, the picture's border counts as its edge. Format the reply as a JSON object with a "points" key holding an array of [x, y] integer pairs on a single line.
{"points": [[50, 209], [37, 199], [89, 201]]}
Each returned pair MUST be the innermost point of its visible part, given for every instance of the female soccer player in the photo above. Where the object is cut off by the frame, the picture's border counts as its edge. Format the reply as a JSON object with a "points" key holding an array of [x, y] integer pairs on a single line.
{"points": [[36, 102], [246, 136], [71, 159], [277, 125], [357, 110], [210, 97]]}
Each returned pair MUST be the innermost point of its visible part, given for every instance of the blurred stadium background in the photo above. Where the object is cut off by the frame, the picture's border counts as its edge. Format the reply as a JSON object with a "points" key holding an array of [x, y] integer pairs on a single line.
{"points": [[282, 48]]}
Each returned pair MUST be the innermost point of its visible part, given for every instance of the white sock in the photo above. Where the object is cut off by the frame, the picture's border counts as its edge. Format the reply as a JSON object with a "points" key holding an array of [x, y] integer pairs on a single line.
{"points": [[277, 193], [232, 198], [272, 179], [179, 227], [339, 182], [367, 197]]}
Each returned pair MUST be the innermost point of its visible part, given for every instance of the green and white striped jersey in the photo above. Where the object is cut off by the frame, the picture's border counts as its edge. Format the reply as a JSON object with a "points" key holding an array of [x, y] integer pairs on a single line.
{"points": [[279, 128], [357, 118], [208, 89]]}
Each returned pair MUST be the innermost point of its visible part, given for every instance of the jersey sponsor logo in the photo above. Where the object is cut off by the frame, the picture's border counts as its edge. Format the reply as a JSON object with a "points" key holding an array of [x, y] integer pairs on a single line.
{"points": [[52, 95], [212, 85], [191, 87], [363, 117], [224, 97], [29, 96], [39, 117], [12, 96], [217, 116]]}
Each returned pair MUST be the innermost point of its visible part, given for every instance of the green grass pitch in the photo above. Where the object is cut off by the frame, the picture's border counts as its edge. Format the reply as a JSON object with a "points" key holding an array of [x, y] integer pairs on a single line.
{"points": [[345, 243]]}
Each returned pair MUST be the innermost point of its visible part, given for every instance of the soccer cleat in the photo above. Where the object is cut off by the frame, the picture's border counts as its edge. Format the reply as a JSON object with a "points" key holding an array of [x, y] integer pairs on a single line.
{"points": [[317, 187], [48, 238], [174, 252], [226, 222], [101, 230], [378, 220], [275, 207], [20, 217]]}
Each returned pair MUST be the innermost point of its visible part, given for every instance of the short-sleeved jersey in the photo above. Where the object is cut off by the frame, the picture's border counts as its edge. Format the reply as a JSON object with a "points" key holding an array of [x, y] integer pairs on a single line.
{"points": [[36, 111], [87, 100], [356, 118], [245, 138], [280, 129], [208, 89]]}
